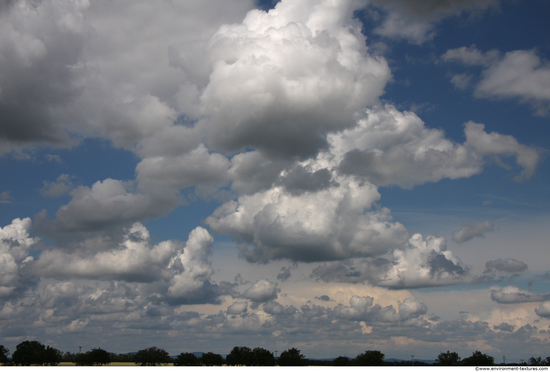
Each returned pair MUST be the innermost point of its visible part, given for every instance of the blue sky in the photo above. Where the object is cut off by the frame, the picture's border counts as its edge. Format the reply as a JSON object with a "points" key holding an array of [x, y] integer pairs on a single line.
{"points": [[331, 176]]}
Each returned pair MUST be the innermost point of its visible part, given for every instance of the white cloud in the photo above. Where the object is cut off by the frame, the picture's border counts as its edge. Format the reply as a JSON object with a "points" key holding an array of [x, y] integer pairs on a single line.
{"points": [[133, 260], [419, 263], [262, 291], [14, 249], [362, 309], [194, 270], [471, 56], [237, 308], [333, 223], [391, 147], [472, 230], [495, 144], [519, 74], [306, 64]]}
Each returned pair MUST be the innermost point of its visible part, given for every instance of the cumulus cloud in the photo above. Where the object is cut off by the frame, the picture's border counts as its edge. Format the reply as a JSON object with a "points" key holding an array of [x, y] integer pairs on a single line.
{"points": [[362, 309], [519, 74], [42, 44], [543, 310], [508, 265], [179, 272], [253, 89], [472, 230], [329, 224], [15, 243], [133, 260], [513, 295], [262, 291], [391, 147], [420, 263], [237, 308], [107, 204]]}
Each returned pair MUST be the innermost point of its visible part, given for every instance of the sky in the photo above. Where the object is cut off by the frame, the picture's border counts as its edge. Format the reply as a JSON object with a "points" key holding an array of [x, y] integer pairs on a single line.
{"points": [[335, 176]]}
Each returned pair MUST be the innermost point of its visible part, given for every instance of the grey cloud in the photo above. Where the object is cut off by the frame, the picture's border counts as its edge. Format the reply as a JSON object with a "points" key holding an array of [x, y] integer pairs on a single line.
{"points": [[505, 327], [472, 230], [324, 298], [415, 20], [262, 291], [509, 265], [237, 308], [461, 81], [513, 295], [275, 308], [6, 197], [106, 205], [252, 172], [61, 186], [543, 310], [284, 274], [362, 309], [299, 180], [39, 71]]}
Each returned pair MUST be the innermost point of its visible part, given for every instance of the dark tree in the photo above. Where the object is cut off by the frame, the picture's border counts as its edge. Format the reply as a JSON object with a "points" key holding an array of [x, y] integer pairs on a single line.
{"points": [[262, 357], [448, 359], [239, 356], [29, 352], [292, 357], [94, 357], [187, 359], [342, 361], [52, 356], [479, 359], [212, 359], [536, 361], [370, 358], [4, 352], [152, 356]]}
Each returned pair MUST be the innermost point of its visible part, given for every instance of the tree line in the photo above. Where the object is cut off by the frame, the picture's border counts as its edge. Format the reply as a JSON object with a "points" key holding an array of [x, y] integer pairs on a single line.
{"points": [[34, 353]]}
